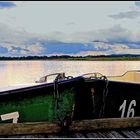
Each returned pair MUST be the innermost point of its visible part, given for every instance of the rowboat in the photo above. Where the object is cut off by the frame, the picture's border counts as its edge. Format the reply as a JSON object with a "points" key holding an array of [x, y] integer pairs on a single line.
{"points": [[67, 98]]}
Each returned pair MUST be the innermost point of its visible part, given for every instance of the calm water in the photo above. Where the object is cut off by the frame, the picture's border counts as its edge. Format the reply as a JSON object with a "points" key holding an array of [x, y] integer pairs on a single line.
{"points": [[21, 72]]}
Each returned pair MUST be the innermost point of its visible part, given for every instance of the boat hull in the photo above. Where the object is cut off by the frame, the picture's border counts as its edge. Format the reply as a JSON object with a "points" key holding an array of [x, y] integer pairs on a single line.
{"points": [[75, 99], [39, 103], [107, 99], [123, 100]]}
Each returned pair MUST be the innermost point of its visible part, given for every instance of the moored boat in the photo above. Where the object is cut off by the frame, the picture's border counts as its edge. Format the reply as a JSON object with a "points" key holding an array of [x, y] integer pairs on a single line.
{"points": [[88, 96], [111, 96]]}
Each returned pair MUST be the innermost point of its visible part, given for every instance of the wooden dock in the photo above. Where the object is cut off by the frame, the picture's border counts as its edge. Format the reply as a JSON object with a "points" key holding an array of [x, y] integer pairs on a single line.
{"points": [[127, 133], [98, 128]]}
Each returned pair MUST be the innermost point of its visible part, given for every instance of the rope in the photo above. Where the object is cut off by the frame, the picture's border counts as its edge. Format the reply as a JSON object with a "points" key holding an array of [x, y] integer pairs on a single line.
{"points": [[64, 122], [105, 93], [99, 76]]}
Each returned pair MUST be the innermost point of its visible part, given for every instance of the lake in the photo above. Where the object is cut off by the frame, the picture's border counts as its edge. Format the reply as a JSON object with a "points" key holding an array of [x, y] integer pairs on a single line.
{"points": [[23, 72]]}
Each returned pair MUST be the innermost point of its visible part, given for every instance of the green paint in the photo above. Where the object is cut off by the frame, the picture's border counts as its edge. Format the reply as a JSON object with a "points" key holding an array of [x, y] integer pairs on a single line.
{"points": [[41, 108]]}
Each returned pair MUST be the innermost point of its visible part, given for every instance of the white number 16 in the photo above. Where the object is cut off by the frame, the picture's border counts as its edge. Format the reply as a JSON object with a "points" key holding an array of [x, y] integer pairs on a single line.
{"points": [[131, 111]]}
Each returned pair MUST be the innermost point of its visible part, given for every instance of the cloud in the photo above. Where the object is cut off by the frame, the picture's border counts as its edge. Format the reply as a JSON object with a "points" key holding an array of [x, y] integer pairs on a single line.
{"points": [[126, 15], [70, 23], [12, 35], [6, 4], [19, 36], [107, 46], [23, 49], [109, 52], [17, 42], [115, 33], [36, 48], [94, 53]]}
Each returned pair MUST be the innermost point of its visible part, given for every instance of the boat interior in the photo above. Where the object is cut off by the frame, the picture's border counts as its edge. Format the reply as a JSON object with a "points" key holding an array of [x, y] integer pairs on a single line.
{"points": [[129, 76]]}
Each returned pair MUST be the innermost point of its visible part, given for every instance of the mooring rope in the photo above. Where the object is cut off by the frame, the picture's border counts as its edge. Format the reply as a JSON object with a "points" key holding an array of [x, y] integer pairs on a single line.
{"points": [[100, 76], [105, 93], [64, 121]]}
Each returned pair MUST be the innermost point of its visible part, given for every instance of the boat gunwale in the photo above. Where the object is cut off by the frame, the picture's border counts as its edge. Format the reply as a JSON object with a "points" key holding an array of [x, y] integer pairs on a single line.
{"points": [[124, 82], [24, 89]]}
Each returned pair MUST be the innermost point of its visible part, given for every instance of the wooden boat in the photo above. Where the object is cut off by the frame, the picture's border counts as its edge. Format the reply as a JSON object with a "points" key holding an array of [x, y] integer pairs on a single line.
{"points": [[90, 96]]}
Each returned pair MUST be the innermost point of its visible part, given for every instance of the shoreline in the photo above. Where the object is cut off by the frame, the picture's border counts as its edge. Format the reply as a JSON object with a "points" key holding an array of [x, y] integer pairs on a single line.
{"points": [[73, 58], [100, 59]]}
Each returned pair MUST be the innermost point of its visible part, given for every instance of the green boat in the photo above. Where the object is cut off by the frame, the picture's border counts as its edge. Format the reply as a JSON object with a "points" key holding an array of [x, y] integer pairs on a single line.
{"points": [[41, 102], [70, 98]]}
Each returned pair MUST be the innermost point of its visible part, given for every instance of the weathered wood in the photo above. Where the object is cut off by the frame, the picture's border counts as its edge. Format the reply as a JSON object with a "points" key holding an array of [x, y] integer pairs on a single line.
{"points": [[77, 135], [76, 126], [25, 136], [113, 134], [137, 132], [108, 123], [28, 128], [130, 134], [93, 135], [52, 136], [102, 135]]}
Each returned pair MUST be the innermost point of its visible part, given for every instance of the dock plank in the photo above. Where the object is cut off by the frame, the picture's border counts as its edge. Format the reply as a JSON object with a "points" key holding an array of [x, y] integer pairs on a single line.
{"points": [[52, 136], [113, 134], [122, 133], [24, 136], [137, 132], [77, 135], [95, 135], [130, 134], [97, 128], [92, 135], [76, 126]]}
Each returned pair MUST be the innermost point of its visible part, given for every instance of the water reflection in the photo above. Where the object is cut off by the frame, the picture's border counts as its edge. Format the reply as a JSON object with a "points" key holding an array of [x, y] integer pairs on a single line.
{"points": [[22, 72]]}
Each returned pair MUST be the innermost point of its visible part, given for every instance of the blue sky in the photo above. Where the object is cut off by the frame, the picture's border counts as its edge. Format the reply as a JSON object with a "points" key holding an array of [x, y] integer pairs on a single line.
{"points": [[69, 27], [6, 4]]}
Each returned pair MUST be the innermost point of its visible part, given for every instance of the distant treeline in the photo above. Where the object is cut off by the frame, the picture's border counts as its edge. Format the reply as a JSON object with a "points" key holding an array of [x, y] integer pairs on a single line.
{"points": [[67, 57]]}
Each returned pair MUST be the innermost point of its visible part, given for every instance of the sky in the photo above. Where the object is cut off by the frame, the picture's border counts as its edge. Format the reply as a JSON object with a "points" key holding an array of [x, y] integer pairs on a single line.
{"points": [[69, 27]]}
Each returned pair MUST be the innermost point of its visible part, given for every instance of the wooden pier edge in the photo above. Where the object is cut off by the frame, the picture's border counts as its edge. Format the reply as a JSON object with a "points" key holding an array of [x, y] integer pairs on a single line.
{"points": [[76, 126]]}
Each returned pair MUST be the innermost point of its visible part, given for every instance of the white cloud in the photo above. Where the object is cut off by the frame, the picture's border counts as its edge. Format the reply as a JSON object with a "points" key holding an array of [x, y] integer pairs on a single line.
{"points": [[108, 52], [106, 46], [23, 52], [127, 51], [94, 53], [115, 33], [126, 15], [13, 35], [35, 48], [22, 42], [19, 41]]}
